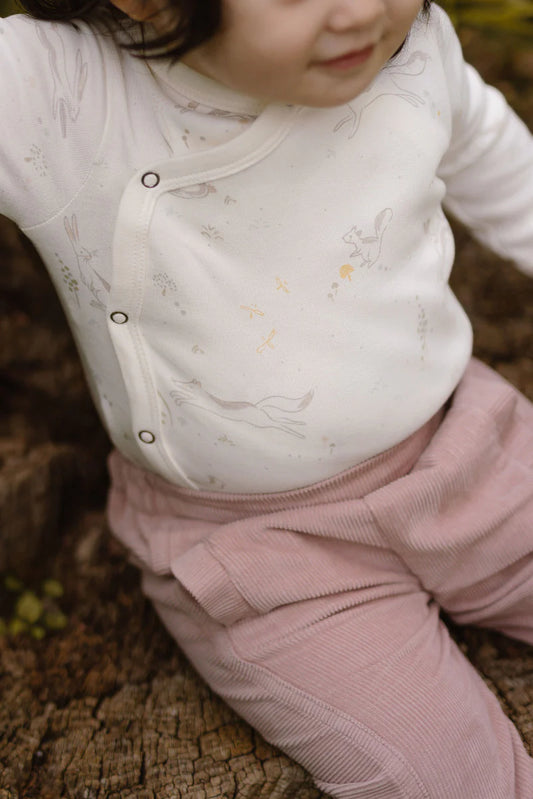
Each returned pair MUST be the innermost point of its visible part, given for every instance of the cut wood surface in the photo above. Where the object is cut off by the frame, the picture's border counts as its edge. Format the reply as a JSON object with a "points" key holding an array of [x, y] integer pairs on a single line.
{"points": [[108, 707]]}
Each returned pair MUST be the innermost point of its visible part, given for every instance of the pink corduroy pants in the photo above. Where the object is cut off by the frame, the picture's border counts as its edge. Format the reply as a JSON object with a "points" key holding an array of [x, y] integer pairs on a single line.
{"points": [[315, 612]]}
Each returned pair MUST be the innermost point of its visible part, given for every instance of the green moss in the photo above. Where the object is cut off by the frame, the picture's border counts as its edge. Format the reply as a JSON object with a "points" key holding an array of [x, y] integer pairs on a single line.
{"points": [[28, 607], [13, 584], [17, 626], [52, 588], [25, 610], [55, 620]]}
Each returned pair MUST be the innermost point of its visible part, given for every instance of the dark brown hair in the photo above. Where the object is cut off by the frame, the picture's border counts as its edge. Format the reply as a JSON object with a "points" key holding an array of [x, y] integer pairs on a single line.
{"points": [[197, 22]]}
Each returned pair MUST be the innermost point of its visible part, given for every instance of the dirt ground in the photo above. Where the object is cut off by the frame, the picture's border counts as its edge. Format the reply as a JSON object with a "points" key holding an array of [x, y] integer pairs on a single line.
{"points": [[107, 706]]}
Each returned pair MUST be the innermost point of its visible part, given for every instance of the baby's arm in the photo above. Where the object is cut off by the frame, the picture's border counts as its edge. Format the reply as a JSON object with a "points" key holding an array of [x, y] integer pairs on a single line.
{"points": [[50, 122], [41, 388], [488, 169]]}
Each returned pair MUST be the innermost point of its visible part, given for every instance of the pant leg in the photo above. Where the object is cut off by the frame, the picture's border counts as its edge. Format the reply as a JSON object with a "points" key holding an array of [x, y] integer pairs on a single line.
{"points": [[462, 520], [372, 697], [320, 626], [334, 651]]}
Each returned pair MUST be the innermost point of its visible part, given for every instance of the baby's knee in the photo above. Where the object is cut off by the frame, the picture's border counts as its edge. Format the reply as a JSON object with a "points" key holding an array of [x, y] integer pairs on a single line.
{"points": [[490, 765]]}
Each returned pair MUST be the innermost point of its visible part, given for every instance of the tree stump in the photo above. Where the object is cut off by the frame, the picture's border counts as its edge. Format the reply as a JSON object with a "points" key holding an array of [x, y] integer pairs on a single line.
{"points": [[108, 708]]}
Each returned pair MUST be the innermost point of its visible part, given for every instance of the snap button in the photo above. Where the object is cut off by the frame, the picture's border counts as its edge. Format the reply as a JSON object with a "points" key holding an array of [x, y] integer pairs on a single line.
{"points": [[150, 180], [119, 317], [146, 437]]}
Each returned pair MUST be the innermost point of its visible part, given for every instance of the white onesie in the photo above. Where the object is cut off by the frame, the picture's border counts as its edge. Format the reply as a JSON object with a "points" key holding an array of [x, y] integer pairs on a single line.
{"points": [[259, 294]]}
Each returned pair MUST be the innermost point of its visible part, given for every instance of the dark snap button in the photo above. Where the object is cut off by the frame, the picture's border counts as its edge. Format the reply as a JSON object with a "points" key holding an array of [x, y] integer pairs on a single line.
{"points": [[150, 180], [146, 437], [119, 317]]}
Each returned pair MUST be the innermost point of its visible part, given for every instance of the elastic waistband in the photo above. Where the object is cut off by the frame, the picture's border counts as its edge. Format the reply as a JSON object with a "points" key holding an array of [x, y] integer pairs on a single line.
{"points": [[148, 492]]}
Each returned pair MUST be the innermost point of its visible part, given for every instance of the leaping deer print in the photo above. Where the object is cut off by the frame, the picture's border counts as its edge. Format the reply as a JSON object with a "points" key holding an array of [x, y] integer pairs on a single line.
{"points": [[267, 412]]}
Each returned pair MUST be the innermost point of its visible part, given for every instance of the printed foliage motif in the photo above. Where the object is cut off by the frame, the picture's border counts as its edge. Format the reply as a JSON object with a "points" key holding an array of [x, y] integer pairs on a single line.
{"points": [[211, 484], [211, 233], [367, 246], [346, 271], [165, 283], [267, 412], [37, 160], [88, 274], [69, 78], [422, 329], [69, 281], [396, 71], [334, 290]]}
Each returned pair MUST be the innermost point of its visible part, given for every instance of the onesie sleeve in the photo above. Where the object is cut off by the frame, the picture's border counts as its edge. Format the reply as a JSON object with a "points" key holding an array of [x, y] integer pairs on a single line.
{"points": [[488, 169], [52, 115]]}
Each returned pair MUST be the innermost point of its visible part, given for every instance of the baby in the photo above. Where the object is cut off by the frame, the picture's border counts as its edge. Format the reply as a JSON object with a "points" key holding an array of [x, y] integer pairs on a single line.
{"points": [[240, 203]]}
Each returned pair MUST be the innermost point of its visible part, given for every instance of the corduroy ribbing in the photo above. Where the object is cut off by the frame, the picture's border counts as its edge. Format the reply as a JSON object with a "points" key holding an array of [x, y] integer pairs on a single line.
{"points": [[355, 482], [315, 613]]}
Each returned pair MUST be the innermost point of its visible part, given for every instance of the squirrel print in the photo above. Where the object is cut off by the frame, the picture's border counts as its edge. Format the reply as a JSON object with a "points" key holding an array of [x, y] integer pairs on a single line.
{"points": [[267, 412], [368, 247]]}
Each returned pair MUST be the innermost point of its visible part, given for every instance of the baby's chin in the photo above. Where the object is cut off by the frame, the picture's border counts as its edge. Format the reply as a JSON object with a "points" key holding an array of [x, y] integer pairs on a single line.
{"points": [[321, 101], [329, 94]]}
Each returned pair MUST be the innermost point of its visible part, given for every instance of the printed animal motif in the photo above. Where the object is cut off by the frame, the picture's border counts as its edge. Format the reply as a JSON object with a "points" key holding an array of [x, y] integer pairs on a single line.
{"points": [[412, 67], [201, 108], [267, 412], [368, 247], [197, 192], [69, 79], [165, 412], [220, 113], [84, 257]]}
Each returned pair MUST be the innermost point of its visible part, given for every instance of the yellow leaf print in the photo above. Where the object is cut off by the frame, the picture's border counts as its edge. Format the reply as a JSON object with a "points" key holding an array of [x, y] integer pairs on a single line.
{"points": [[345, 271]]}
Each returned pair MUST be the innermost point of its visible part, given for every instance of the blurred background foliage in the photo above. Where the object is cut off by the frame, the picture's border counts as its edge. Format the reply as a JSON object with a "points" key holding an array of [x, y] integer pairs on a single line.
{"points": [[500, 16], [7, 7], [513, 17]]}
